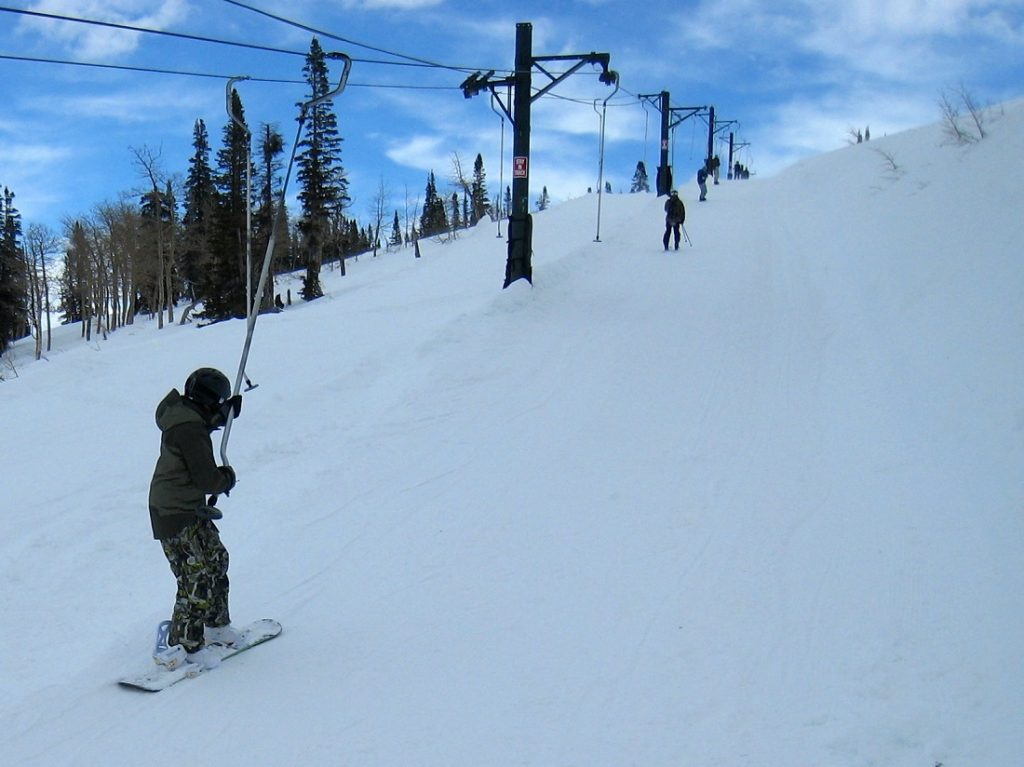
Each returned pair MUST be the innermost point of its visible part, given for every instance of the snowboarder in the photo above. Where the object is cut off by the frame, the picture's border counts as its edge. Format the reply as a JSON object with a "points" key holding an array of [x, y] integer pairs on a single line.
{"points": [[702, 178], [675, 215], [182, 521]]}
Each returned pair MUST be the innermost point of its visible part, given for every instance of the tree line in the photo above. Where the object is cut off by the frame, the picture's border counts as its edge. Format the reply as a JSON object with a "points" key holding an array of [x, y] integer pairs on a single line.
{"points": [[179, 250]]}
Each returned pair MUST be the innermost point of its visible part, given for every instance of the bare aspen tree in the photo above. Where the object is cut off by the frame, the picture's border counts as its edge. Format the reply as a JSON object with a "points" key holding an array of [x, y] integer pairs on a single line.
{"points": [[956, 126], [104, 223], [101, 277], [148, 164], [41, 246], [462, 183], [119, 223], [378, 210], [78, 274], [411, 216], [167, 275]]}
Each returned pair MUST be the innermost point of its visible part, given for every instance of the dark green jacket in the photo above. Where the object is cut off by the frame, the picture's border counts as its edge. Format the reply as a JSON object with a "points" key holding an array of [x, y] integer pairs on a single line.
{"points": [[675, 211], [186, 470]]}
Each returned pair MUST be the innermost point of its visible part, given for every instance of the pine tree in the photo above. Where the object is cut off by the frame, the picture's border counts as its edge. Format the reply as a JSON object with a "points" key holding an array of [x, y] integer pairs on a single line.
{"points": [[434, 219], [197, 222], [324, 185], [271, 147], [544, 200], [640, 183], [224, 286], [156, 213], [71, 307], [429, 200], [478, 191], [13, 277], [456, 218], [78, 282], [396, 233]]}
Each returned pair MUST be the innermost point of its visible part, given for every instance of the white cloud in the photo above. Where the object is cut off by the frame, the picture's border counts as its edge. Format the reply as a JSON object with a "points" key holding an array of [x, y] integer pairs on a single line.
{"points": [[907, 41], [32, 167], [135, 106], [398, 5], [422, 152], [98, 43], [34, 158], [803, 126]]}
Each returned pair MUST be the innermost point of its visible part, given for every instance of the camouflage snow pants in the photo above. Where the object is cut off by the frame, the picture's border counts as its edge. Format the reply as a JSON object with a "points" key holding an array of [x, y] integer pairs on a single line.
{"points": [[199, 562]]}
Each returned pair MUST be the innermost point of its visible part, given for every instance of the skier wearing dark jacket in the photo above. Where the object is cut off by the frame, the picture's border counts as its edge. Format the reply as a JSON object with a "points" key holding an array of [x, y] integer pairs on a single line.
{"points": [[702, 178], [185, 472], [675, 215]]}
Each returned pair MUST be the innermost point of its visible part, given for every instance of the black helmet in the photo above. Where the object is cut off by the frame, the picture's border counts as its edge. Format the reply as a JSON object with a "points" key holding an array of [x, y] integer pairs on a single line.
{"points": [[208, 388]]}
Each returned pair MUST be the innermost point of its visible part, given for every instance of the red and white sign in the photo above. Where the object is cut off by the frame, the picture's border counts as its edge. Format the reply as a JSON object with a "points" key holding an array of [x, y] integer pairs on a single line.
{"points": [[520, 167]]}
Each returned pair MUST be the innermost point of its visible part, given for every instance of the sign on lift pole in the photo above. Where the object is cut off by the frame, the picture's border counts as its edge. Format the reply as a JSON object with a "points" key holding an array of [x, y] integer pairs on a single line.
{"points": [[520, 223]]}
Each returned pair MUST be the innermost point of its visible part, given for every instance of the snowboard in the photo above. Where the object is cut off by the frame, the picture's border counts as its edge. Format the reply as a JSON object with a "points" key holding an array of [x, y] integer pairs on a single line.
{"points": [[157, 677]]}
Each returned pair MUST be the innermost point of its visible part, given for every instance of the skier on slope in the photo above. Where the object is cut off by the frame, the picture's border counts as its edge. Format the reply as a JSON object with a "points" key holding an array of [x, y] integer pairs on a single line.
{"points": [[185, 472], [675, 215]]}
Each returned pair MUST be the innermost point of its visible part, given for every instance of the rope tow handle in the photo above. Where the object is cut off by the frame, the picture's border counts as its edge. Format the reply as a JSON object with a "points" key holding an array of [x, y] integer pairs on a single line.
{"points": [[252, 313], [600, 155]]}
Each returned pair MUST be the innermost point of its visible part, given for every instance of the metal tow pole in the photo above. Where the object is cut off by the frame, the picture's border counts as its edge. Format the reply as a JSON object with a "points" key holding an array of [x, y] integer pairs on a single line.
{"points": [[265, 272], [600, 162], [501, 163]]}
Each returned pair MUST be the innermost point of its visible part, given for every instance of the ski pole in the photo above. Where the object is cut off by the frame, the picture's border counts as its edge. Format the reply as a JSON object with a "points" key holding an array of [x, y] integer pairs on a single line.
{"points": [[686, 236], [265, 272]]}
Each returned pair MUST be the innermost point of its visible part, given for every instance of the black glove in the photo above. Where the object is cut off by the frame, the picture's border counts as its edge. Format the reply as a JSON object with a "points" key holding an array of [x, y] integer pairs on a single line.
{"points": [[232, 407], [218, 414], [229, 475]]}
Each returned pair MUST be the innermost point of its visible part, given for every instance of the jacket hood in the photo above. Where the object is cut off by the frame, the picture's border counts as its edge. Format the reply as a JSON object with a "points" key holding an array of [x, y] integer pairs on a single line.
{"points": [[175, 410]]}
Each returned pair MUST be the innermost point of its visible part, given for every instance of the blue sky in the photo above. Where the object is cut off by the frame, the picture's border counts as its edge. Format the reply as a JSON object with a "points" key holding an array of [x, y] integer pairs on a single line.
{"points": [[795, 75]]}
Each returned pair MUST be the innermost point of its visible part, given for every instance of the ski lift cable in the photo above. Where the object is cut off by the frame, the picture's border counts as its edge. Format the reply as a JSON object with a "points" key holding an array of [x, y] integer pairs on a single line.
{"points": [[209, 75], [331, 35], [219, 41]]}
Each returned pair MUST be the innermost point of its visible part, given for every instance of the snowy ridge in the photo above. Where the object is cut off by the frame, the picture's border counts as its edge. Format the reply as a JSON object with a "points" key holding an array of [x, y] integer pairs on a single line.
{"points": [[755, 502]]}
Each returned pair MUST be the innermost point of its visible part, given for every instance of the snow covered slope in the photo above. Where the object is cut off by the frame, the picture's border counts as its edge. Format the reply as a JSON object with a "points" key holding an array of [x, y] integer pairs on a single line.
{"points": [[755, 502]]}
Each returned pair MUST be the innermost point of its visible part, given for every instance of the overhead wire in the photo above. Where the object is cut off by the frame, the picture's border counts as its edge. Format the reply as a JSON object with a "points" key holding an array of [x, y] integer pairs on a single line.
{"points": [[146, 30], [410, 62], [350, 41], [407, 60], [184, 73]]}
